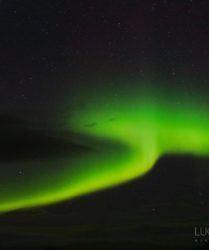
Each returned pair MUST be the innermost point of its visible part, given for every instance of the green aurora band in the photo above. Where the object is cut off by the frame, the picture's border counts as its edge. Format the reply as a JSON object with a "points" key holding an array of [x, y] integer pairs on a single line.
{"points": [[128, 133]]}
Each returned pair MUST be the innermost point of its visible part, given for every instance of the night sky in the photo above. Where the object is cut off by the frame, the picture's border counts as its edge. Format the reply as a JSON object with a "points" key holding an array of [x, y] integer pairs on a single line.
{"points": [[50, 48], [104, 122]]}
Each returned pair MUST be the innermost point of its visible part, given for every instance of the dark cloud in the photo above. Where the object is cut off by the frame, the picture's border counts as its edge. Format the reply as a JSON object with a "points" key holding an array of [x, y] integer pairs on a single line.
{"points": [[21, 141]]}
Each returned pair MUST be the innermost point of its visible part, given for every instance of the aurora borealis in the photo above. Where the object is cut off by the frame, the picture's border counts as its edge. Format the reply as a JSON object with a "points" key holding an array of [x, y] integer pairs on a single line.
{"points": [[127, 136], [104, 124]]}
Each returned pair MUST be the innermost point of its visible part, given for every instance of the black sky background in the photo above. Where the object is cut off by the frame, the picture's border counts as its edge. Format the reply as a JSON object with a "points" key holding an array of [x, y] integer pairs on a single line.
{"points": [[48, 51], [50, 47]]}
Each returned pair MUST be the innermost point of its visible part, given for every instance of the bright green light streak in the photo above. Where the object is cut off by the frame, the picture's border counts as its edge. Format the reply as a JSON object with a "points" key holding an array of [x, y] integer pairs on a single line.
{"points": [[142, 127]]}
